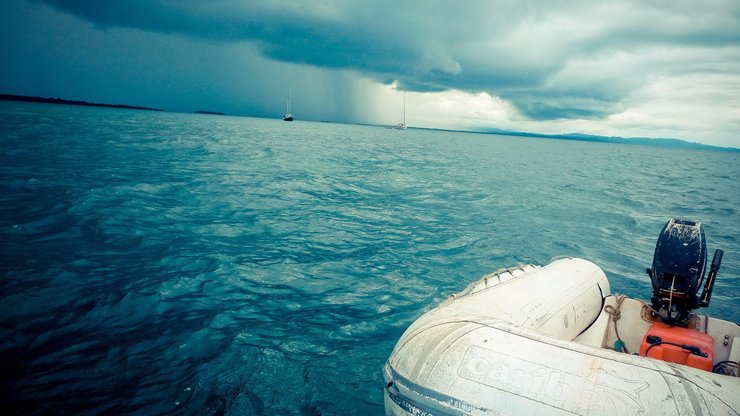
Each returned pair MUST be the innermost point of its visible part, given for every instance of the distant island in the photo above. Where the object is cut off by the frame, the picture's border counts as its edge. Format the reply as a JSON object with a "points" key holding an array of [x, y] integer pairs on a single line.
{"points": [[24, 98], [645, 141], [216, 113]]}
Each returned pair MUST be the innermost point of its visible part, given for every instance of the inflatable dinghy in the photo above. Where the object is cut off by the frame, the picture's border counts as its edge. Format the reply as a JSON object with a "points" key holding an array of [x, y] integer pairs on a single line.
{"points": [[552, 340]]}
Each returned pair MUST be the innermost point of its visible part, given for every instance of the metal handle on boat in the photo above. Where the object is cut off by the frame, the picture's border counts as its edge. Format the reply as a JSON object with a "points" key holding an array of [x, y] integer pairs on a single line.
{"points": [[709, 285]]}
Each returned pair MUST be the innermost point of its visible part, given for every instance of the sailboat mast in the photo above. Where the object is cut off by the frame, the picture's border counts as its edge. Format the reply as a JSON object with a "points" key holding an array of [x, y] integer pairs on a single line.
{"points": [[404, 108], [288, 116]]}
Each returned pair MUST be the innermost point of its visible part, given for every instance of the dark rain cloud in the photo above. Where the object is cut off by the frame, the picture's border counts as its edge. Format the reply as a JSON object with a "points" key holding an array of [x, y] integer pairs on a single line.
{"points": [[538, 55]]}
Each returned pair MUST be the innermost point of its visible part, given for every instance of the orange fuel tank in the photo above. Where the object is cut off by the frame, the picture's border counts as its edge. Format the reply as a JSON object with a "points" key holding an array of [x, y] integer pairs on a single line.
{"points": [[679, 345]]}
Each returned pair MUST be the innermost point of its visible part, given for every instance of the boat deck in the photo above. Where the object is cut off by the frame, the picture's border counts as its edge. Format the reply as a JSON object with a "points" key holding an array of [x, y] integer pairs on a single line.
{"points": [[634, 320]]}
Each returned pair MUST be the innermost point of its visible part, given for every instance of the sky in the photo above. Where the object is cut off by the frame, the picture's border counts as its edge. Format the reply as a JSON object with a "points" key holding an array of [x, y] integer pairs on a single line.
{"points": [[644, 68]]}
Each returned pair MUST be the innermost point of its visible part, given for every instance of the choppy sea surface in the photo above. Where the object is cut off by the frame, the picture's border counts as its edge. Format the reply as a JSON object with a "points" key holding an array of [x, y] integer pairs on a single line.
{"points": [[164, 263]]}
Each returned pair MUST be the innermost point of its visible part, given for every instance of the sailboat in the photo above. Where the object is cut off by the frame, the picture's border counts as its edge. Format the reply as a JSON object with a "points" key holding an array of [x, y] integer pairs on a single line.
{"points": [[288, 116], [402, 125]]}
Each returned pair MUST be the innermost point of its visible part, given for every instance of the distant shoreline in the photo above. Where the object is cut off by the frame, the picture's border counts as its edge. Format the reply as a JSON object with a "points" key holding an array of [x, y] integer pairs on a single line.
{"points": [[659, 142], [643, 141], [215, 113], [29, 99]]}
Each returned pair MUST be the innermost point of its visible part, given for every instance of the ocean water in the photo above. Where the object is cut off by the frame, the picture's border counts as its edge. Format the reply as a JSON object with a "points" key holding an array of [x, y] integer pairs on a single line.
{"points": [[164, 263]]}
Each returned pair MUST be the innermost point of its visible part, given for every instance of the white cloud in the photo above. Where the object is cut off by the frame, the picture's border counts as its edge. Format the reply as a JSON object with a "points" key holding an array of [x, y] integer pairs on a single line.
{"points": [[452, 109], [617, 68], [694, 107], [702, 107]]}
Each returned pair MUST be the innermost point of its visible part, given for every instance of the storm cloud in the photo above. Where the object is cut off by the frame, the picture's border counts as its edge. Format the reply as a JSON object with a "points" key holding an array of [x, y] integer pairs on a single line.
{"points": [[562, 61], [559, 59]]}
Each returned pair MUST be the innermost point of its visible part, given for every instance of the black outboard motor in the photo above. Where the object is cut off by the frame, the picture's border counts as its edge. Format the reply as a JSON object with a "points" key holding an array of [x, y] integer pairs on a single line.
{"points": [[678, 271]]}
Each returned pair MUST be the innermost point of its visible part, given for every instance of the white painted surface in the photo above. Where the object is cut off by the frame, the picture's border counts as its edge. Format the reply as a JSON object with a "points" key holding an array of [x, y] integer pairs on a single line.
{"points": [[504, 346]]}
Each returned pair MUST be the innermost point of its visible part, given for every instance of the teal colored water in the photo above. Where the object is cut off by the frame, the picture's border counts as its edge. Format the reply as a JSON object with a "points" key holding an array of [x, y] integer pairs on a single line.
{"points": [[160, 263]]}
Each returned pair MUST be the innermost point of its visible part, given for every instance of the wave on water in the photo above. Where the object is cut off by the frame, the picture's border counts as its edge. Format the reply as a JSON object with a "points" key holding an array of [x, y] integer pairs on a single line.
{"points": [[164, 263]]}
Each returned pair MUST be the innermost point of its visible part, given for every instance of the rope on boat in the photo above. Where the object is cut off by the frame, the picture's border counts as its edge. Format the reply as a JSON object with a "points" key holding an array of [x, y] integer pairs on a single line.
{"points": [[616, 313]]}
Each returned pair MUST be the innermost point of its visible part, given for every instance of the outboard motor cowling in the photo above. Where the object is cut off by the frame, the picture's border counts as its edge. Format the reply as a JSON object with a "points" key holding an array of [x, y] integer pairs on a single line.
{"points": [[678, 270]]}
